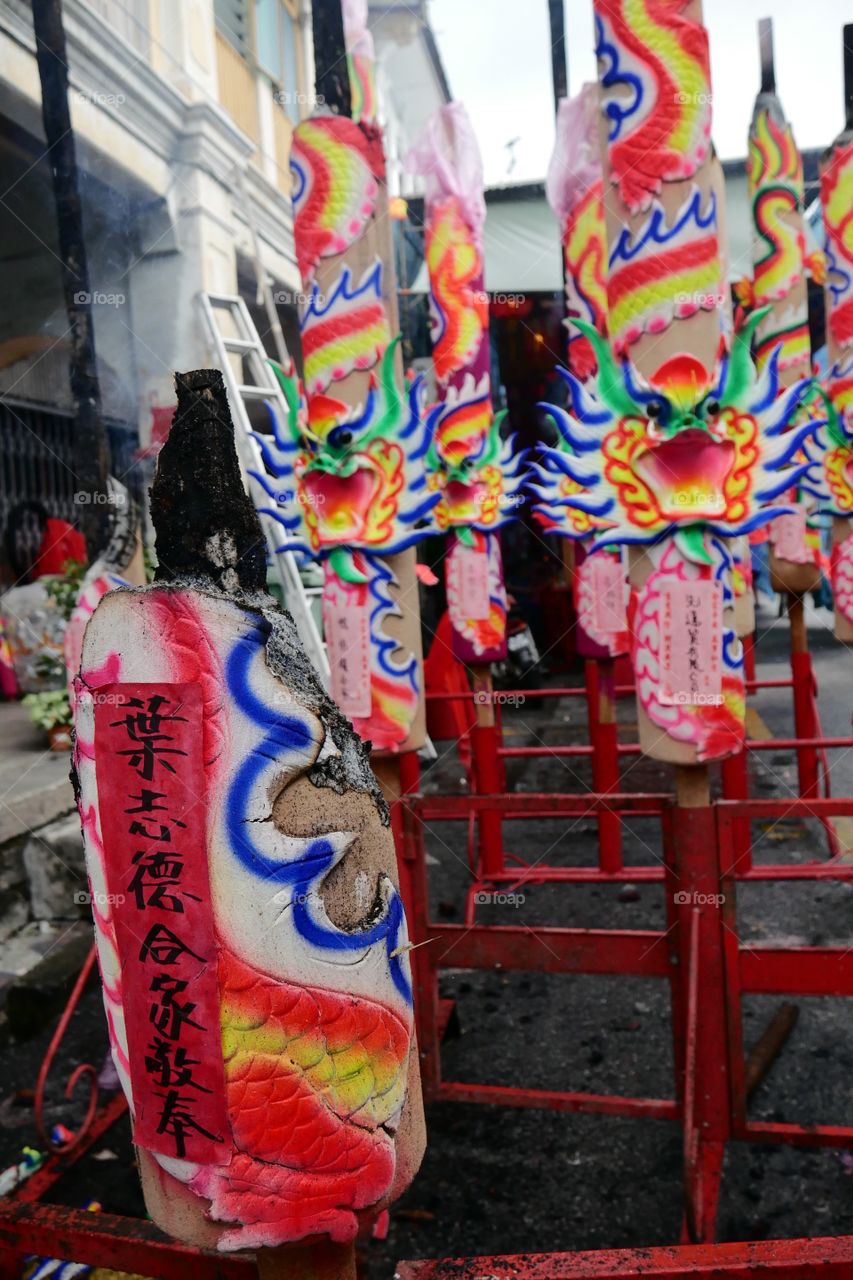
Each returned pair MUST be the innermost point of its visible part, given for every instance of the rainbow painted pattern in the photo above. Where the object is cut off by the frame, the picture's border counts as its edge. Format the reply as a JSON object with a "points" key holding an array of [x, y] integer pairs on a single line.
{"points": [[775, 177], [334, 189], [584, 257], [836, 193], [656, 94], [344, 331], [661, 272], [458, 303]]}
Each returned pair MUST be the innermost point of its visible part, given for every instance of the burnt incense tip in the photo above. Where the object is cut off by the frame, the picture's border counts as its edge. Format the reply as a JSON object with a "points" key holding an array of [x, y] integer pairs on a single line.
{"points": [[206, 526], [848, 75], [765, 44]]}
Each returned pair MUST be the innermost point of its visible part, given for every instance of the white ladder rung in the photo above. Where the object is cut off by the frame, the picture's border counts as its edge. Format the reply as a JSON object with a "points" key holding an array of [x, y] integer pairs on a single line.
{"points": [[255, 393], [241, 344]]}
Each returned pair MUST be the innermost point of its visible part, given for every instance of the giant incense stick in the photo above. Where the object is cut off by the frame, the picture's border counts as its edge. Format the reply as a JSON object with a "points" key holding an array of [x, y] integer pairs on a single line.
{"points": [[775, 179], [468, 464], [679, 450], [574, 189], [836, 189], [251, 938], [348, 480]]}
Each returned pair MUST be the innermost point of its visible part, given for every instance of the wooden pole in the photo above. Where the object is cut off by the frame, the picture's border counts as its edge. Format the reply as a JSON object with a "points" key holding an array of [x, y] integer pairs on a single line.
{"points": [[321, 1261], [90, 446]]}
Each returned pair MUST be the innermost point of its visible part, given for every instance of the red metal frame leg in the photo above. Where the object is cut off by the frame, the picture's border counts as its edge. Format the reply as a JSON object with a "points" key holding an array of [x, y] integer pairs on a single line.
{"points": [[805, 718], [603, 736], [735, 779], [485, 740], [749, 657], [707, 1119]]}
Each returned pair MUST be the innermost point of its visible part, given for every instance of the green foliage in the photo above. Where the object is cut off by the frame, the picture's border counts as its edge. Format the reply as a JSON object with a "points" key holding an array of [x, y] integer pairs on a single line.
{"points": [[50, 708], [65, 589]]}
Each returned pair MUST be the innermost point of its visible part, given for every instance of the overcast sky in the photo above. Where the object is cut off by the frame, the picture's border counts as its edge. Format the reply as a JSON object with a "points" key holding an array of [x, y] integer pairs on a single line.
{"points": [[497, 57]]}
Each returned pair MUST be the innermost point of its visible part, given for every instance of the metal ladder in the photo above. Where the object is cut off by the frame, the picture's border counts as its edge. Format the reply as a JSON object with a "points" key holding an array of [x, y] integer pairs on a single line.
{"points": [[240, 338]]}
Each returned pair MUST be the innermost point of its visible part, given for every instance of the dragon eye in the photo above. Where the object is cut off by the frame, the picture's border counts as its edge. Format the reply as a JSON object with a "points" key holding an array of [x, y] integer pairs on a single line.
{"points": [[712, 408], [340, 437], [654, 410]]}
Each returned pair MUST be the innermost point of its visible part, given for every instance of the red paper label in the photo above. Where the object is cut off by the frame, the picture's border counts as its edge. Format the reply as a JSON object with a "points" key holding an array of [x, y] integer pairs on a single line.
{"points": [[609, 613], [789, 538], [472, 575], [347, 629], [691, 626], [151, 798]]}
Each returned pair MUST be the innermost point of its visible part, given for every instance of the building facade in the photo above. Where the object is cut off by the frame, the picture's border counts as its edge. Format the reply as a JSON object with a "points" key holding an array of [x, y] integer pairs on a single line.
{"points": [[183, 114]]}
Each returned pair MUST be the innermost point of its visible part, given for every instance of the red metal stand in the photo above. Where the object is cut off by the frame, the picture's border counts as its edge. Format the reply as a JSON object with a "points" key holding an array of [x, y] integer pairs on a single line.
{"points": [[603, 736], [829, 1258], [699, 955]]}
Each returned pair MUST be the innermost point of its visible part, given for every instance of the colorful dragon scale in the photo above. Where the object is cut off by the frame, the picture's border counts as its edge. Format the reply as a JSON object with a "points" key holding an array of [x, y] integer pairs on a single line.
{"points": [[574, 188], [656, 94], [334, 190], [477, 477], [775, 174], [584, 257], [715, 729], [344, 331], [344, 480], [663, 271], [314, 1009], [459, 305], [687, 449], [836, 193]]}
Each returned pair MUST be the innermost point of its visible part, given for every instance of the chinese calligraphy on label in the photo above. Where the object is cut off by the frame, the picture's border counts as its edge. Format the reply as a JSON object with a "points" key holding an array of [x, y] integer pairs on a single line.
{"points": [[609, 613], [151, 789], [691, 628], [788, 533], [348, 639], [471, 597]]}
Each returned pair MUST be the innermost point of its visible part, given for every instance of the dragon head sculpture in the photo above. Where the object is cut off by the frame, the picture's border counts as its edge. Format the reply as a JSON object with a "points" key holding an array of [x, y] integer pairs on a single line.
{"points": [[477, 477], [686, 449], [345, 480]]}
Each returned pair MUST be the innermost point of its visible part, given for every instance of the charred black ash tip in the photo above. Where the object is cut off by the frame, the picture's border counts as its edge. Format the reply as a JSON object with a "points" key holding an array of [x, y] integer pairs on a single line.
{"points": [[206, 525]]}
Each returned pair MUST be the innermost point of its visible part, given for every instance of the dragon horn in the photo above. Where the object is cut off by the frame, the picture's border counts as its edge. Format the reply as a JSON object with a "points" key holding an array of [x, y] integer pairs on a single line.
{"points": [[611, 384], [740, 371], [290, 390]]}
